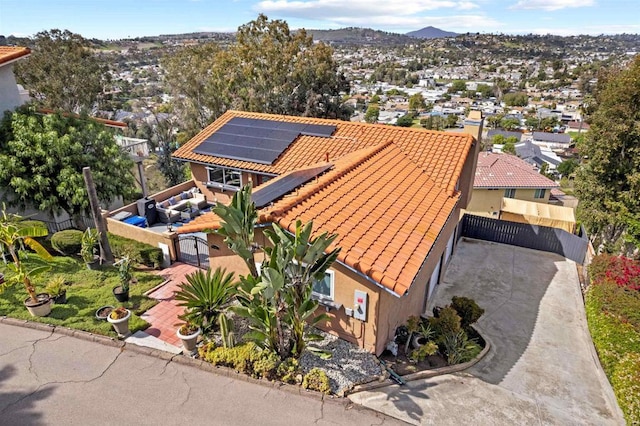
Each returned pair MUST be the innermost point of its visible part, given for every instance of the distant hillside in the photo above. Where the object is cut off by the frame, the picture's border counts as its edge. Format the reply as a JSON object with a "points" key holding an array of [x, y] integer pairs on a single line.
{"points": [[358, 36], [431, 32]]}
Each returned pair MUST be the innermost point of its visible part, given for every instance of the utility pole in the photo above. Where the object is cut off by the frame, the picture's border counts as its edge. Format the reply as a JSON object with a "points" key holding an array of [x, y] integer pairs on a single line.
{"points": [[105, 249]]}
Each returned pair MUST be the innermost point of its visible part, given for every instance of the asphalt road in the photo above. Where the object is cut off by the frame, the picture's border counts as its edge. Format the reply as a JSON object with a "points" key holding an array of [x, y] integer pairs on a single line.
{"points": [[52, 379]]}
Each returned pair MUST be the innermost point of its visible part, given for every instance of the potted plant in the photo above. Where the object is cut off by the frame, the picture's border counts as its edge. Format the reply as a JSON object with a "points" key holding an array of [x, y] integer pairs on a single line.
{"points": [[119, 319], [90, 239], [188, 333], [13, 237], [56, 288], [102, 313], [121, 292]]}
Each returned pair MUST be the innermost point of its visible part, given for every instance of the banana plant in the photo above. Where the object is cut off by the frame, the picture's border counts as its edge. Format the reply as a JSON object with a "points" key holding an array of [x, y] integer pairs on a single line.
{"points": [[13, 238]]}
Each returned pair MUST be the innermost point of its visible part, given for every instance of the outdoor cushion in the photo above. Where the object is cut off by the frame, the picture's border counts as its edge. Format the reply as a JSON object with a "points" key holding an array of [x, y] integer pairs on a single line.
{"points": [[165, 204], [172, 201], [184, 196]]}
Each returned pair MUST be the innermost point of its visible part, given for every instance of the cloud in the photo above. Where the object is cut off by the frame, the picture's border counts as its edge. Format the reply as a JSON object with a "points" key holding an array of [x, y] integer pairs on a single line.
{"points": [[357, 9], [550, 5]]}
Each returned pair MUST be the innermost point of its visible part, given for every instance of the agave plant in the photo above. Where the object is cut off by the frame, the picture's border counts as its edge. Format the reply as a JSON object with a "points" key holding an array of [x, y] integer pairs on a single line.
{"points": [[204, 295], [13, 238]]}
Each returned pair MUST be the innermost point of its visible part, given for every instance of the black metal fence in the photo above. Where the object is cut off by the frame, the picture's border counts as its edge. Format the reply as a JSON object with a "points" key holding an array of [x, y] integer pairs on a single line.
{"points": [[535, 237], [193, 250], [55, 226]]}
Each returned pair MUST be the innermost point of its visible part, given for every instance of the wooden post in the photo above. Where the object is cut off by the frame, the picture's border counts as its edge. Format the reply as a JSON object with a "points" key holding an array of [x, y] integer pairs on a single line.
{"points": [[105, 249]]}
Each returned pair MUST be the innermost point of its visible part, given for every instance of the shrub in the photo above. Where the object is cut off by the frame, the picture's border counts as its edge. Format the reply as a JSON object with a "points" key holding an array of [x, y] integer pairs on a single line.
{"points": [[618, 301], [420, 354], [247, 358], [67, 242], [467, 309], [288, 370], [626, 385], [447, 322], [459, 348], [144, 254], [621, 270], [317, 380]]}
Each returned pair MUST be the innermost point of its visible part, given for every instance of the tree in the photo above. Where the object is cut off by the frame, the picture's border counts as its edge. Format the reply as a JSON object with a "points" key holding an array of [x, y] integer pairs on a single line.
{"points": [[62, 73], [457, 86], [372, 114], [42, 156], [567, 167], [13, 238], [510, 123], [277, 299], [608, 184], [268, 69], [405, 121], [509, 146], [417, 102], [516, 99]]}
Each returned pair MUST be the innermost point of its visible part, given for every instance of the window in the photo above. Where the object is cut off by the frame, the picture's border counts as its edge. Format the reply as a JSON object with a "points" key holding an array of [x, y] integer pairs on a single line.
{"points": [[322, 290], [510, 193], [224, 178], [540, 193]]}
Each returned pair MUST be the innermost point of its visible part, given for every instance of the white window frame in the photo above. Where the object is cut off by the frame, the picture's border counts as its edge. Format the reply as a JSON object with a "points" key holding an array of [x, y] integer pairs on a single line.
{"points": [[224, 184], [540, 193], [510, 193], [318, 296]]}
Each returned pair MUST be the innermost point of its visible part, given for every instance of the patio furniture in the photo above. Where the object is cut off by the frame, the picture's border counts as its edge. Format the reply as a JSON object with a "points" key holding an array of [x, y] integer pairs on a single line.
{"points": [[169, 210], [121, 215], [189, 213]]}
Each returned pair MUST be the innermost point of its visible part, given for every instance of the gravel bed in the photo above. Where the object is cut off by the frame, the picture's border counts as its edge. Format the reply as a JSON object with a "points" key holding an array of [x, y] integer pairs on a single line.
{"points": [[348, 365]]}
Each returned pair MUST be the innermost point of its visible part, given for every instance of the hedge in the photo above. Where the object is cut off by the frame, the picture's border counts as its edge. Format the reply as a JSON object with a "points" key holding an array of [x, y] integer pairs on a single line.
{"points": [[67, 242], [613, 309], [138, 252]]}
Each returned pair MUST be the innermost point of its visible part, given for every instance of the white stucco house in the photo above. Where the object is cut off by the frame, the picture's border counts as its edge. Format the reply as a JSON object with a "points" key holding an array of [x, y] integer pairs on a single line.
{"points": [[11, 94]]}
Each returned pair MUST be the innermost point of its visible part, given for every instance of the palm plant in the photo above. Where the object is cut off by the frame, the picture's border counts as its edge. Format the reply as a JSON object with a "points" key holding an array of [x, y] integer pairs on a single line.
{"points": [[204, 295], [13, 238], [90, 239]]}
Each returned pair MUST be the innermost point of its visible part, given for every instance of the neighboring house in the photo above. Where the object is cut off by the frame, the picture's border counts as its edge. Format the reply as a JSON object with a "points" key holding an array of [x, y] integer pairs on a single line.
{"points": [[578, 126], [392, 195], [11, 95], [505, 175], [537, 155], [493, 132], [552, 140]]}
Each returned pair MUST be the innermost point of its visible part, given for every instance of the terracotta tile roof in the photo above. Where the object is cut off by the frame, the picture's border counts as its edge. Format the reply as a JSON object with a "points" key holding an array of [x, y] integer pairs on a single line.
{"points": [[386, 211], [507, 171], [441, 155], [8, 53]]}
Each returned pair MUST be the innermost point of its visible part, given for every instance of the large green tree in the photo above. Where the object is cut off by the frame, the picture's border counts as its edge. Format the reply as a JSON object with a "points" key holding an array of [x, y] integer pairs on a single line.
{"points": [[42, 156], [608, 184], [268, 69], [62, 72]]}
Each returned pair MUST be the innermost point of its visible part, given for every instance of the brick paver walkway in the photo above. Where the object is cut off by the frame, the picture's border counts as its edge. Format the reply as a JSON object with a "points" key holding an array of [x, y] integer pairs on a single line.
{"points": [[164, 316]]}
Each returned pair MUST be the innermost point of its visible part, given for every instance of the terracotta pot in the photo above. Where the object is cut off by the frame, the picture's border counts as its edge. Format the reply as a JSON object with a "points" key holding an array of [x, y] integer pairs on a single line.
{"points": [[189, 341], [121, 326], [41, 308]]}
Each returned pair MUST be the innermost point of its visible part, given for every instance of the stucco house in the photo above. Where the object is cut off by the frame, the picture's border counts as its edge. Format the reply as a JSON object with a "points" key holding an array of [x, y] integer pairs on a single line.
{"points": [[11, 95], [393, 195], [551, 140], [499, 176]]}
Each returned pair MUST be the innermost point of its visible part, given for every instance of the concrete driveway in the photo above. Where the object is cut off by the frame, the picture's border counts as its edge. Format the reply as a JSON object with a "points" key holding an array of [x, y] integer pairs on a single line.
{"points": [[541, 369]]}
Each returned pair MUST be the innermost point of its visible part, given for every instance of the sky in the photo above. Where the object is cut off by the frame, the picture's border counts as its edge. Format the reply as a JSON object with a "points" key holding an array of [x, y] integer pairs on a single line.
{"points": [[116, 19]]}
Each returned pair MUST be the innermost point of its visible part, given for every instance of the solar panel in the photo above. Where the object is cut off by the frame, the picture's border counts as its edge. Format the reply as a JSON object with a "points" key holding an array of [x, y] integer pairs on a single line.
{"points": [[257, 140], [272, 191]]}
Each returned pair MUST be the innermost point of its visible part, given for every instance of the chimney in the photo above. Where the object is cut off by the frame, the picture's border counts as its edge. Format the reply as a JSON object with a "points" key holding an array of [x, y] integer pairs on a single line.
{"points": [[473, 126]]}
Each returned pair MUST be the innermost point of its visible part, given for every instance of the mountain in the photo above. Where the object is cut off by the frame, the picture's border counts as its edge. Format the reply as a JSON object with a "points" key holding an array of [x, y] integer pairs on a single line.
{"points": [[359, 36], [431, 32]]}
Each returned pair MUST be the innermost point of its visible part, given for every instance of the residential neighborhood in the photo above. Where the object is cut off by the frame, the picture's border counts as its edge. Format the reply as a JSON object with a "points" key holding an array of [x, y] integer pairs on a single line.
{"points": [[373, 227]]}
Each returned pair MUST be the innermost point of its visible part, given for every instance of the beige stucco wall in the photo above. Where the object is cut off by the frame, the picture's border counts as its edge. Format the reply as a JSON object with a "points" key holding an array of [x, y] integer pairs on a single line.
{"points": [[486, 201], [143, 235], [201, 176]]}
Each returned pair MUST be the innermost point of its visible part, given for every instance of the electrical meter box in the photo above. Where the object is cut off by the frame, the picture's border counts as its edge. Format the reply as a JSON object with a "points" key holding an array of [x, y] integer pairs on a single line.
{"points": [[360, 305]]}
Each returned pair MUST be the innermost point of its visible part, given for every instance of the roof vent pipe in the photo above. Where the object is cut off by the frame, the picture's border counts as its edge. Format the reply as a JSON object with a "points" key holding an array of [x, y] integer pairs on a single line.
{"points": [[327, 157]]}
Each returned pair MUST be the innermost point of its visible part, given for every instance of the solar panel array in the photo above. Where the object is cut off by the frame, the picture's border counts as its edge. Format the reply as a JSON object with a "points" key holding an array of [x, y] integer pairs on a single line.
{"points": [[263, 196], [257, 140]]}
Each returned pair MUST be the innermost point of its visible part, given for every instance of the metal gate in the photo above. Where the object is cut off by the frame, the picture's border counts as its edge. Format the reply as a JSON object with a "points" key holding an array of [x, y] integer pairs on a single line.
{"points": [[194, 251]]}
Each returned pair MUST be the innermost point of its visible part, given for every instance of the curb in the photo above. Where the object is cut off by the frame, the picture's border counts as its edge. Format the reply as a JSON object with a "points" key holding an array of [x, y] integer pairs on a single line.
{"points": [[449, 369], [178, 358]]}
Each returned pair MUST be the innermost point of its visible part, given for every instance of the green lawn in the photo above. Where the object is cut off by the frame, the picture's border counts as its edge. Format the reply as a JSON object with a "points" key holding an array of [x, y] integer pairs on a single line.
{"points": [[87, 291]]}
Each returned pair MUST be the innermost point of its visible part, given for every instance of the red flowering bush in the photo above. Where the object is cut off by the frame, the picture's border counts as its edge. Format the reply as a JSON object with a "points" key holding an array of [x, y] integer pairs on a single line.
{"points": [[622, 271]]}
